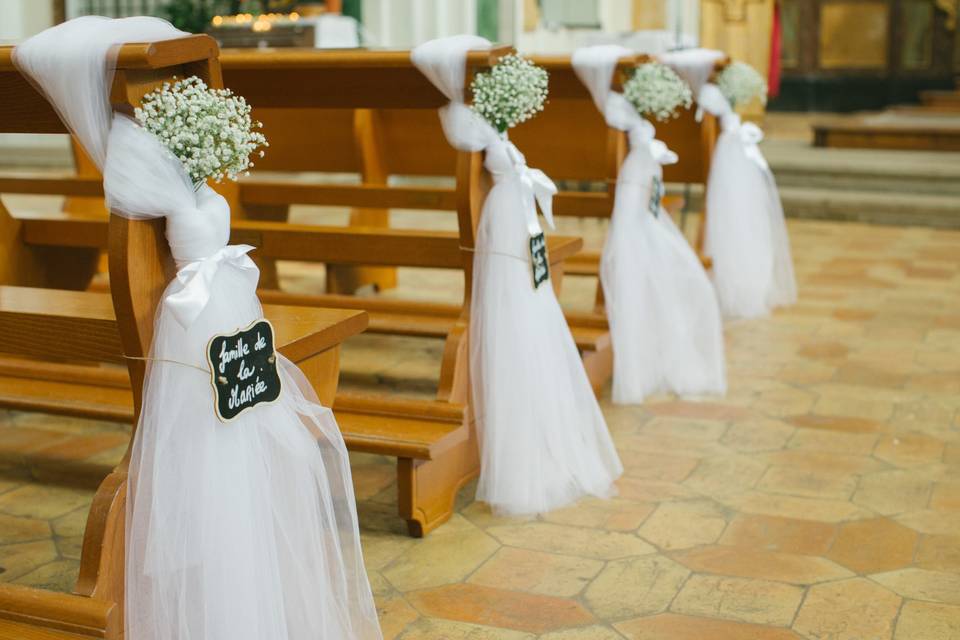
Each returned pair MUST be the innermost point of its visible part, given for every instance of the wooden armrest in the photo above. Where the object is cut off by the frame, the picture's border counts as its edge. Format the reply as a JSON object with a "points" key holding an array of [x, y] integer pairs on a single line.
{"points": [[63, 325], [77, 325], [56, 614], [303, 332], [560, 248]]}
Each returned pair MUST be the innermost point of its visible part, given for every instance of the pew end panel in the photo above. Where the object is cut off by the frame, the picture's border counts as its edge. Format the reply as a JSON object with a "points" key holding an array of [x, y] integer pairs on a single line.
{"points": [[140, 268], [96, 608]]}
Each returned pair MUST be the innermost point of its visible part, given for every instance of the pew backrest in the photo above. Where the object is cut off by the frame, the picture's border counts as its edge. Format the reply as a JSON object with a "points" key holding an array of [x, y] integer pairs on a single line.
{"points": [[140, 261], [568, 140]]}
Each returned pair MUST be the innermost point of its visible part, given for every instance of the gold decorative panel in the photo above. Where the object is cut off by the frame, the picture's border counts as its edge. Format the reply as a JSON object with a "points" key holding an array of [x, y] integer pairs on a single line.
{"points": [[790, 37], [649, 14], [917, 40], [854, 35], [742, 29]]}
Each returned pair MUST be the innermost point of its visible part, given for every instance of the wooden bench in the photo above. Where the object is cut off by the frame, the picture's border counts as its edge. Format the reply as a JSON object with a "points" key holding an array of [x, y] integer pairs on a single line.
{"points": [[383, 140], [431, 439], [38, 323], [569, 140]]}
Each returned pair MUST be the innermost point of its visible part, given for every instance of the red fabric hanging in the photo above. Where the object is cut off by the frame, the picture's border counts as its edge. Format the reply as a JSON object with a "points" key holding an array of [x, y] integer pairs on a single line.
{"points": [[776, 36]]}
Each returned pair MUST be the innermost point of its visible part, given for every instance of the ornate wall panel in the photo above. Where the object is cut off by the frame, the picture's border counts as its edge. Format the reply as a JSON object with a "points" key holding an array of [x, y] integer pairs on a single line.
{"points": [[865, 54], [854, 35]]}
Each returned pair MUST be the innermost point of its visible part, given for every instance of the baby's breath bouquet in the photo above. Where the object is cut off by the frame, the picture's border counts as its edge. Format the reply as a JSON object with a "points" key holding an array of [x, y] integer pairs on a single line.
{"points": [[209, 130], [740, 83], [513, 91], [656, 90]]}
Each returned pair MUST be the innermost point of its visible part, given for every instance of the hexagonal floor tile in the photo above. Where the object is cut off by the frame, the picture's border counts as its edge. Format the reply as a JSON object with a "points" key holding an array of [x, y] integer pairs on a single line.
{"points": [[763, 565], [847, 610], [476, 604], [871, 546], [670, 626]]}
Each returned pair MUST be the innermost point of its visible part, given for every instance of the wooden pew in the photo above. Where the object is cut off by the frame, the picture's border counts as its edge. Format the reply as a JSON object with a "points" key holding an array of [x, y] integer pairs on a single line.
{"points": [[569, 141], [431, 439], [376, 143], [46, 323]]}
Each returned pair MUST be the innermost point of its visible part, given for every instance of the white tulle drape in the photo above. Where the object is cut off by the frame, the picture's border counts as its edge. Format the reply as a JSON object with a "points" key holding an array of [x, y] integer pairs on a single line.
{"points": [[239, 531], [746, 234], [543, 439], [694, 66], [664, 319]]}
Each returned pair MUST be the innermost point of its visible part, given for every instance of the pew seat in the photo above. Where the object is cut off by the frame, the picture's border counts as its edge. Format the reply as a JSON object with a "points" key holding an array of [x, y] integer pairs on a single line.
{"points": [[14, 631], [413, 429], [91, 391], [29, 614]]}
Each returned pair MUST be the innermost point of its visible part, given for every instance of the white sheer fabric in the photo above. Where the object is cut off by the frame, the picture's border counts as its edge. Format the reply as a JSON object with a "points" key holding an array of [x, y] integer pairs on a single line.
{"points": [[746, 234], [544, 442], [664, 319], [695, 66], [239, 531]]}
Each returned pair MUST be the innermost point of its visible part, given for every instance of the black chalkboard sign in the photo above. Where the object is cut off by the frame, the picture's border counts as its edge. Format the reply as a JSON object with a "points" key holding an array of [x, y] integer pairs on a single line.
{"points": [[244, 369], [538, 259], [656, 196]]}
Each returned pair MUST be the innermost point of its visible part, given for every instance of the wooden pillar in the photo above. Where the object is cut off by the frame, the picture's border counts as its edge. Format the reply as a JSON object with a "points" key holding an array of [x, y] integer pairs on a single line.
{"points": [[742, 29], [59, 11], [373, 170]]}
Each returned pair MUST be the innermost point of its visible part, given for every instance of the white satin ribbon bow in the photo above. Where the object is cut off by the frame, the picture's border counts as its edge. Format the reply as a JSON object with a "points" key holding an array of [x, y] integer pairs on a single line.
{"points": [[620, 114], [197, 281], [751, 135], [538, 189], [713, 100], [642, 134]]}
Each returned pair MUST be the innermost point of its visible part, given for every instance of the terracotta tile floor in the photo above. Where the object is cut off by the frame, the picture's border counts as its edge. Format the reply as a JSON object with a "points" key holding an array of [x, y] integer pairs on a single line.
{"points": [[820, 499]]}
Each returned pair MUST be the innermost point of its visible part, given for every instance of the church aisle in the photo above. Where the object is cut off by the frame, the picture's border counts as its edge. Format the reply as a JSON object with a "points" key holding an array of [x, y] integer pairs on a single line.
{"points": [[820, 499]]}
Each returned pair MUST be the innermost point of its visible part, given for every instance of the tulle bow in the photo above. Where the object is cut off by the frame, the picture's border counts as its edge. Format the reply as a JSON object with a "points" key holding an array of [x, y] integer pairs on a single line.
{"points": [[196, 281], [642, 134], [751, 135], [711, 99], [537, 188]]}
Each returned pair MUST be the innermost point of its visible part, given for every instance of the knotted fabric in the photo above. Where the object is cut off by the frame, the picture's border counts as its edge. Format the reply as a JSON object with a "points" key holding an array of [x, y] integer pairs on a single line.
{"points": [[239, 531], [694, 66], [663, 315], [543, 439], [746, 235], [198, 220]]}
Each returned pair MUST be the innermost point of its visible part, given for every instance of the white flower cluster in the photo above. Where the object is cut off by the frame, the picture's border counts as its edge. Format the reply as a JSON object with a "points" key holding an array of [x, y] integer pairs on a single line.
{"points": [[740, 83], [513, 91], [209, 130], [656, 90]]}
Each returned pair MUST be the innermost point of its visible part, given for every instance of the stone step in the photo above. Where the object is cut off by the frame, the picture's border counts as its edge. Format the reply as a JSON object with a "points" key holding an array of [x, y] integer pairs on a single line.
{"points": [[933, 210], [877, 207], [796, 164]]}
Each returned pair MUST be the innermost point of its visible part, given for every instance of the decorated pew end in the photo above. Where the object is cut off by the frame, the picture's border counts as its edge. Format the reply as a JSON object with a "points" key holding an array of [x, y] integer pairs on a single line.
{"points": [[387, 137], [84, 326]]}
